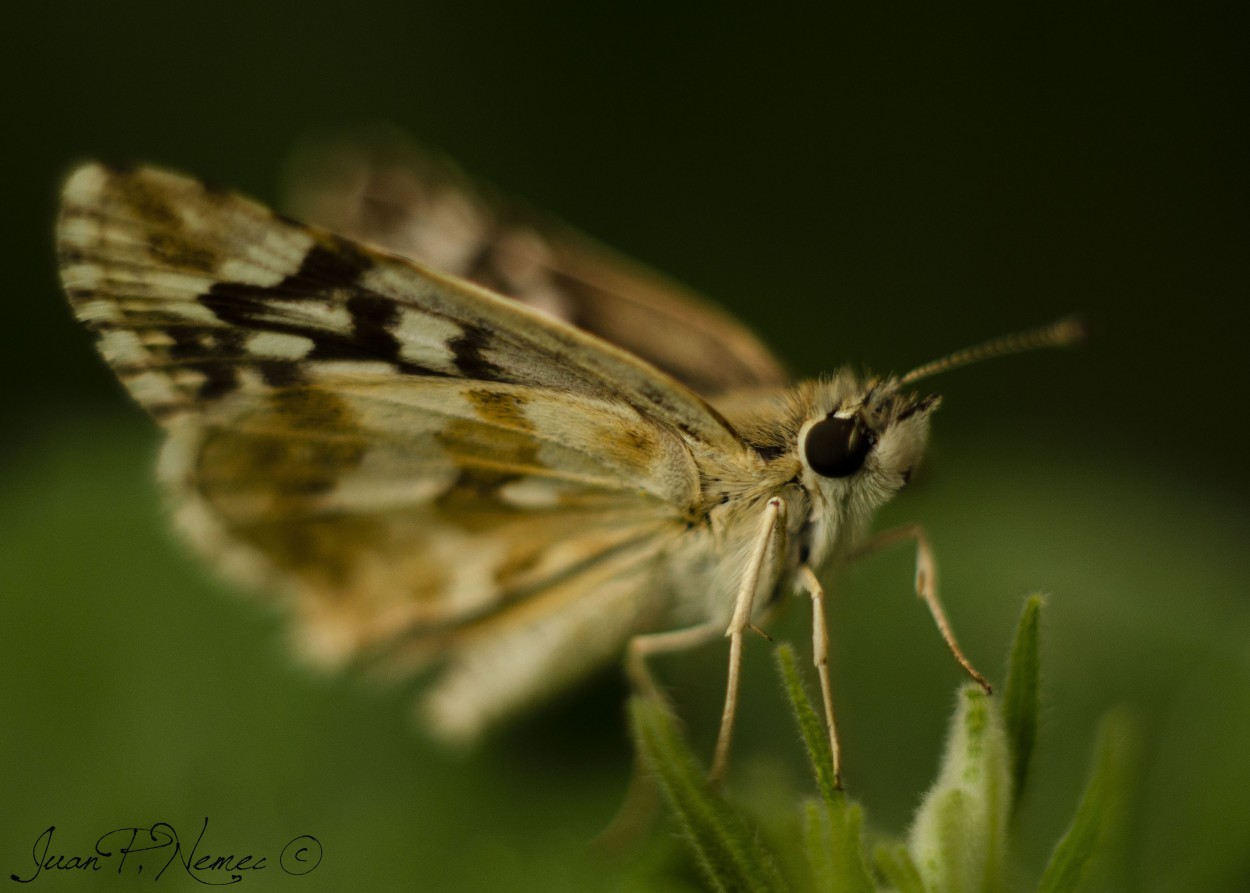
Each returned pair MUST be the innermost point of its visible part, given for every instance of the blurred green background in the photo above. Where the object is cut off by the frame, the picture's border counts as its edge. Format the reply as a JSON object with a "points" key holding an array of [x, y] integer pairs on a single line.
{"points": [[878, 185]]}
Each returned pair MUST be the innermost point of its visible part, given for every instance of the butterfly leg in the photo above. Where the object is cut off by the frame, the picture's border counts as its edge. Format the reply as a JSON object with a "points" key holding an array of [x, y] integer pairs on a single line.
{"points": [[820, 657], [640, 798], [768, 545], [926, 586], [644, 646]]}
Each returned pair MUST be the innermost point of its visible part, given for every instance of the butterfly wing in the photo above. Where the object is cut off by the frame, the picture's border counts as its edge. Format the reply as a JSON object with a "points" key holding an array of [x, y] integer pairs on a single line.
{"points": [[430, 468], [439, 518], [387, 193], [198, 293]]}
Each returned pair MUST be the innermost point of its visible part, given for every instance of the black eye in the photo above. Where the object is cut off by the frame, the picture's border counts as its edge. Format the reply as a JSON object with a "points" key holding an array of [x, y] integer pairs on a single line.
{"points": [[836, 447]]}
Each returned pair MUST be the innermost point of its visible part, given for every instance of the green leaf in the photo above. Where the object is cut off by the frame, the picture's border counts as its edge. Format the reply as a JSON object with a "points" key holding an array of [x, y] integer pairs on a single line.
{"points": [[958, 841], [833, 828], [1103, 807], [895, 864], [833, 834], [811, 726], [727, 850], [1021, 698], [816, 836]]}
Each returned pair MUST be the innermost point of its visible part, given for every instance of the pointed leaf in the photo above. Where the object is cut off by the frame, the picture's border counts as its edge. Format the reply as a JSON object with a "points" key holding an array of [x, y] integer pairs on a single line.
{"points": [[727, 849], [1102, 807], [895, 864], [811, 727], [834, 838], [1021, 698]]}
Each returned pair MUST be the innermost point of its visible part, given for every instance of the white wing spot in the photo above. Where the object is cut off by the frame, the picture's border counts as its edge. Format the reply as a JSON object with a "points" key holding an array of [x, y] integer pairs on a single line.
{"points": [[85, 185], [122, 347], [279, 345], [333, 317], [188, 379], [424, 340], [347, 372], [190, 311], [86, 276], [530, 493], [248, 379], [152, 388], [80, 231], [247, 271], [276, 254], [97, 311]]}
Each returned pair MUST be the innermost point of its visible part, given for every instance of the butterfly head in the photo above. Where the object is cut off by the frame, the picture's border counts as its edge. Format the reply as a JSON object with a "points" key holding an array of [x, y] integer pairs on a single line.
{"points": [[860, 440], [864, 438]]}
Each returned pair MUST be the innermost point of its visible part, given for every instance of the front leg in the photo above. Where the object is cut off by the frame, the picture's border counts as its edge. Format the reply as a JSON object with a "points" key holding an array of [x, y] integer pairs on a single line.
{"points": [[806, 578], [926, 586], [645, 645], [769, 544]]}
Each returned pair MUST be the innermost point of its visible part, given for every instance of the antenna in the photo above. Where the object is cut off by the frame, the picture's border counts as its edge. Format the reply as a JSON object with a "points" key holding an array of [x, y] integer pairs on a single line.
{"points": [[1060, 333]]}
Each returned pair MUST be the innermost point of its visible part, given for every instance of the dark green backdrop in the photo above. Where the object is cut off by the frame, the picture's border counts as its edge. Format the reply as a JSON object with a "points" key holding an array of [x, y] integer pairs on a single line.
{"points": [[879, 186]]}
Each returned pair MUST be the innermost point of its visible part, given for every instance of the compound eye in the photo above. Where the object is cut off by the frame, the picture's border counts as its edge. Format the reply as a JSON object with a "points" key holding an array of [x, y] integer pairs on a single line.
{"points": [[836, 447]]}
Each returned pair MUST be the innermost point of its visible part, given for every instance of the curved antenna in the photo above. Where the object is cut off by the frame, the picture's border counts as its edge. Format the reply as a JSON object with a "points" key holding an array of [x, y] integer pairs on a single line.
{"points": [[1060, 333]]}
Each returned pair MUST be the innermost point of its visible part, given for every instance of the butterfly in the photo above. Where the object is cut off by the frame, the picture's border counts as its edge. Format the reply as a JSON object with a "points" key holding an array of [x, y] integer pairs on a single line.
{"points": [[452, 435]]}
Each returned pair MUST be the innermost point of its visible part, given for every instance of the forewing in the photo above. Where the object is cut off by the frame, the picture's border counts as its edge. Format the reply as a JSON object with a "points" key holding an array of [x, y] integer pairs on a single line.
{"points": [[196, 293], [419, 205]]}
